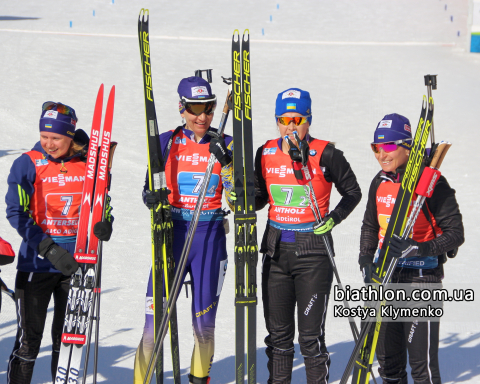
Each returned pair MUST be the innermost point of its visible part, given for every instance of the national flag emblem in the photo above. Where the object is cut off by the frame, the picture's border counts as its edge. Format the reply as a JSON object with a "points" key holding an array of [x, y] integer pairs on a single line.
{"points": [[48, 125], [381, 137], [291, 106], [407, 128]]}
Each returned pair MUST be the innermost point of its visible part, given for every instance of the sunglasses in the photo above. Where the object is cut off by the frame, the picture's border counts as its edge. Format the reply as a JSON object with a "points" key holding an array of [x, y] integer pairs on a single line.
{"points": [[297, 120], [198, 107], [60, 108], [389, 146]]}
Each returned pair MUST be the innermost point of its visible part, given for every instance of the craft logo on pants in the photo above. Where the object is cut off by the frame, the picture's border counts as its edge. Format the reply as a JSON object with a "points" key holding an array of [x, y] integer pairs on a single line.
{"points": [[310, 304]]}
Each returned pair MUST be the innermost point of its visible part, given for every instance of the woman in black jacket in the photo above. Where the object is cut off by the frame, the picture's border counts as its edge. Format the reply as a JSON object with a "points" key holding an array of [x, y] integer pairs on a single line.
{"points": [[438, 230], [296, 269]]}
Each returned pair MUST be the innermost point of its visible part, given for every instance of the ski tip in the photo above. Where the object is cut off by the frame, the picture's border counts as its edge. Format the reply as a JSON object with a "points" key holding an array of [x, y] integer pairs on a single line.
{"points": [[112, 91], [236, 33], [100, 92], [246, 33], [143, 12]]}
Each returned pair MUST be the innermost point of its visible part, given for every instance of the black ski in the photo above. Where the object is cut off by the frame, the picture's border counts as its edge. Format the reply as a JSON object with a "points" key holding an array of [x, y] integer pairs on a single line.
{"points": [[363, 354], [246, 249], [161, 221]]}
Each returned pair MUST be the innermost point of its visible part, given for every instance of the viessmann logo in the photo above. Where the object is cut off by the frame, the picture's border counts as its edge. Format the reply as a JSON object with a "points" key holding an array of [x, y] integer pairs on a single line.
{"points": [[387, 200], [283, 171], [62, 179], [195, 159]]}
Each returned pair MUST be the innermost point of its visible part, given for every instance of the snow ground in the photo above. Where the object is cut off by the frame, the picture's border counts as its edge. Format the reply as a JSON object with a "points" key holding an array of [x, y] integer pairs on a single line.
{"points": [[359, 59]]}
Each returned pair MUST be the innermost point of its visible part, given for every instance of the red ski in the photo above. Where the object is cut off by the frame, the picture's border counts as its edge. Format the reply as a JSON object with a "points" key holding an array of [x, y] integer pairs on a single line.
{"points": [[84, 282]]}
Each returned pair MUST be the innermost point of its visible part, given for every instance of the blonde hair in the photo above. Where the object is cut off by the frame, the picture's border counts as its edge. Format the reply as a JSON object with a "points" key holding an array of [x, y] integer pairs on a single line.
{"points": [[76, 148]]}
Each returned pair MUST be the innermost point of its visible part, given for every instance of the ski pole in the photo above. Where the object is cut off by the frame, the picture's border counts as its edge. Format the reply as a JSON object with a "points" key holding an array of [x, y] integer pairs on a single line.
{"points": [[97, 324], [6, 290], [431, 83], [312, 200], [162, 330], [95, 310], [94, 316]]}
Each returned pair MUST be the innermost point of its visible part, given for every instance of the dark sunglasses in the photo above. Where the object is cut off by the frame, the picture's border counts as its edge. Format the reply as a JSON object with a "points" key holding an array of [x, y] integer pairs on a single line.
{"points": [[198, 107], [297, 120], [60, 108], [390, 146]]}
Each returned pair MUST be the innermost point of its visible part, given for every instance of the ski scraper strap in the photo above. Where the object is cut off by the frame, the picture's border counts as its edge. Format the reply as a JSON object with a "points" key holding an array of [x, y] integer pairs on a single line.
{"points": [[427, 182], [303, 173]]}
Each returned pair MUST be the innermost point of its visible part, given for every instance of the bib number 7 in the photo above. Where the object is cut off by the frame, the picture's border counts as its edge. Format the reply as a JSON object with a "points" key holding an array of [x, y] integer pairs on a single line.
{"points": [[288, 195]]}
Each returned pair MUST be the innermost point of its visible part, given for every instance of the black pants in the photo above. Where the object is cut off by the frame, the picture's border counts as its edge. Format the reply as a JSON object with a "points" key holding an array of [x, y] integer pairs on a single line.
{"points": [[419, 338], [32, 296], [289, 280]]}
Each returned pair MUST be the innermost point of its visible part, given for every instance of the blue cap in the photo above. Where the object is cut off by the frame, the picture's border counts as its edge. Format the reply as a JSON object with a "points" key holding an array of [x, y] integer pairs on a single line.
{"points": [[294, 100], [392, 127], [51, 120], [195, 88]]}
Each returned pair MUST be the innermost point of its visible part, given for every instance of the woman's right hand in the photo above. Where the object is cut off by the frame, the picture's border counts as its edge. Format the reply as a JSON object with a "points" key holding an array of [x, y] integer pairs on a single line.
{"points": [[59, 257]]}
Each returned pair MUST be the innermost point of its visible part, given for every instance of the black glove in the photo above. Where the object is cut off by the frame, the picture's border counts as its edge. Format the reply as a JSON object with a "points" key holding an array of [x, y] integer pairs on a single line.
{"points": [[452, 253], [406, 247], [151, 199], [219, 149], [103, 229], [367, 267], [59, 257]]}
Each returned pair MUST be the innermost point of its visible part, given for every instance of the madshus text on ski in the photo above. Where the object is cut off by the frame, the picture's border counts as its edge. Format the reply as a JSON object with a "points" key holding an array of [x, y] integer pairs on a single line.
{"points": [[196, 175]]}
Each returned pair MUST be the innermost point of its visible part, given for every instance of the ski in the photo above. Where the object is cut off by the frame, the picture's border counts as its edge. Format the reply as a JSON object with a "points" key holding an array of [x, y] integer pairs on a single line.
{"points": [[82, 284], [102, 186], [363, 353], [246, 249], [163, 264]]}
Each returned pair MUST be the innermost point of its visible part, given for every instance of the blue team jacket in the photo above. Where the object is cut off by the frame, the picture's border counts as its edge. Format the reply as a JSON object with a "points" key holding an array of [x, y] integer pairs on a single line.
{"points": [[22, 178]]}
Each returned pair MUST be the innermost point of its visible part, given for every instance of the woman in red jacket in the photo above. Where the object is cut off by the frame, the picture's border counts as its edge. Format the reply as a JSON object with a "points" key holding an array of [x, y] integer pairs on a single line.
{"points": [[44, 192], [438, 230]]}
